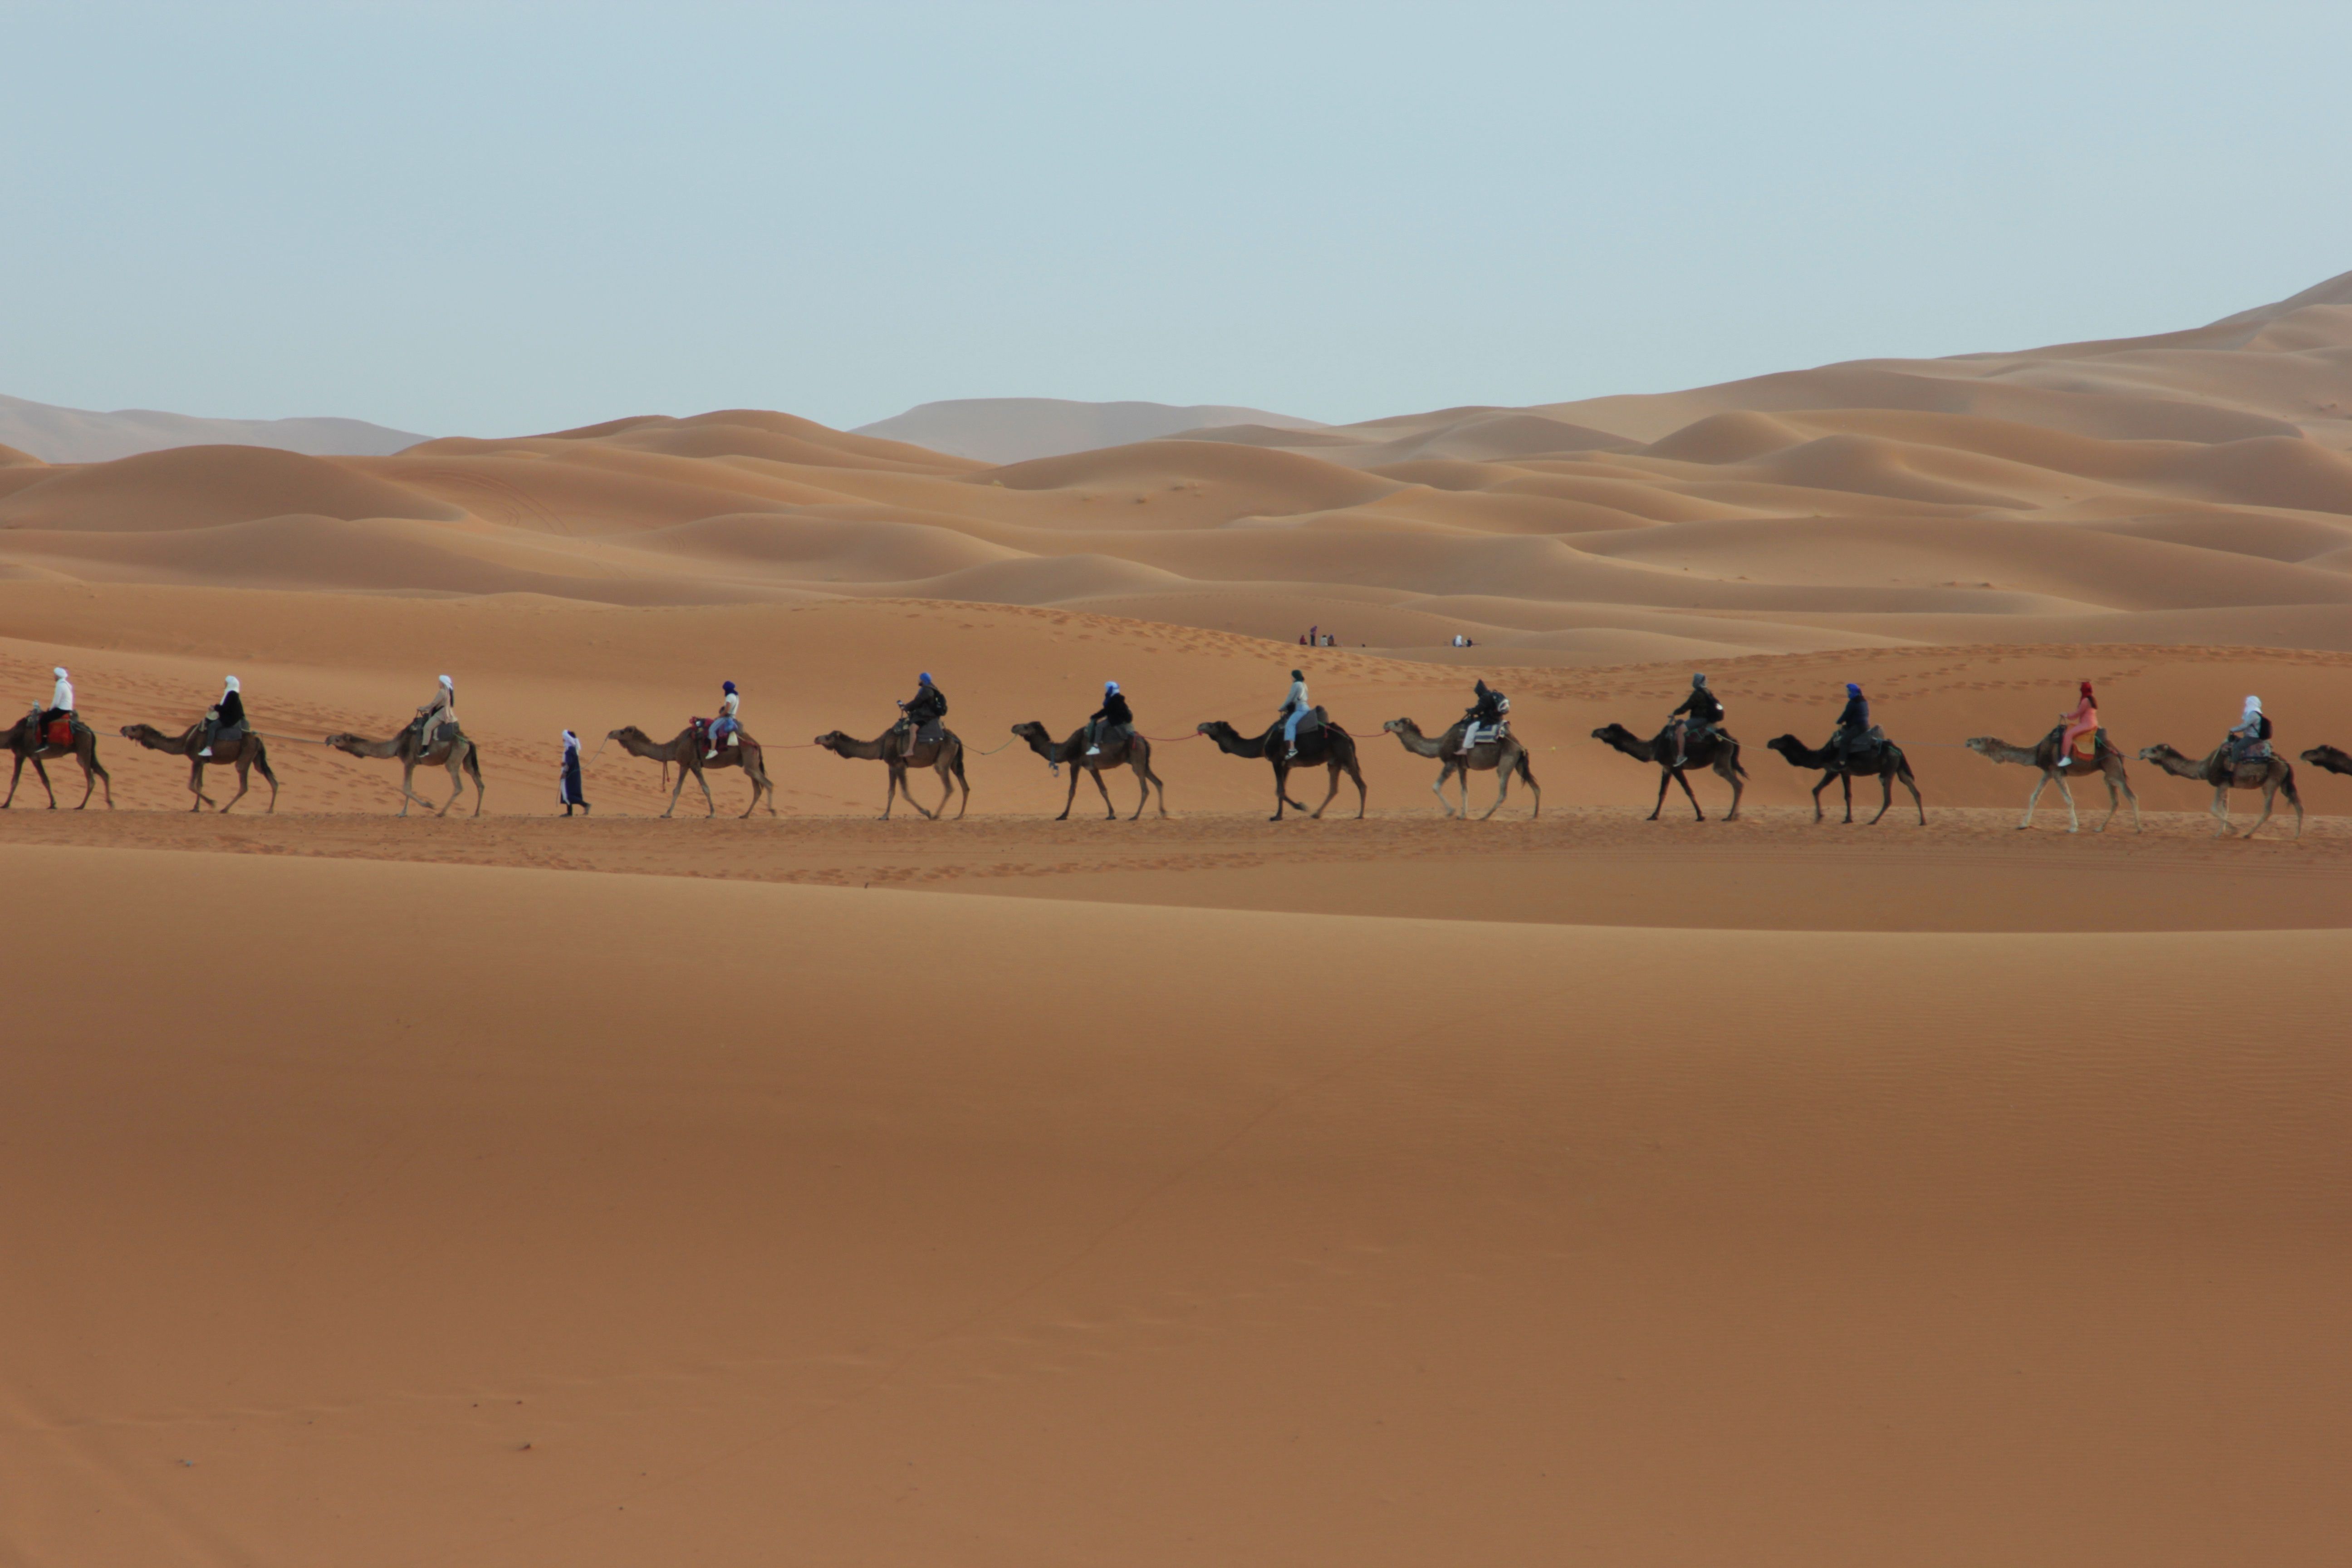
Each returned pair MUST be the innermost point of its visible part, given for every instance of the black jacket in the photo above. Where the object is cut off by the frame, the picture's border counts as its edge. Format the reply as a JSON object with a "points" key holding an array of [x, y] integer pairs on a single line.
{"points": [[1702, 705], [1114, 711], [1488, 708], [231, 709], [1857, 715], [928, 703]]}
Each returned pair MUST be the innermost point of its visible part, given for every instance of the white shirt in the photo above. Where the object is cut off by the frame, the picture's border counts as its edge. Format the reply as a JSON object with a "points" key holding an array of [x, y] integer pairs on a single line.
{"points": [[63, 696], [1296, 702], [726, 709]]}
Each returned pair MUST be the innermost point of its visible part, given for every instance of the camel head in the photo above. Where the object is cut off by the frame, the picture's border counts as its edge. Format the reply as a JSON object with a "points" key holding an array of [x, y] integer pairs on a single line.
{"points": [[831, 741], [344, 742], [1217, 729], [1401, 727], [2329, 758], [1616, 736], [145, 735], [1787, 745], [1981, 745], [2157, 753], [1033, 732]]}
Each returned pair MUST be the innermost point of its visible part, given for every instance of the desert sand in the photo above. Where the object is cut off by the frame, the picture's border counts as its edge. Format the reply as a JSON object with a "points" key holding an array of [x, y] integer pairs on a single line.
{"points": [[1553, 1188]]}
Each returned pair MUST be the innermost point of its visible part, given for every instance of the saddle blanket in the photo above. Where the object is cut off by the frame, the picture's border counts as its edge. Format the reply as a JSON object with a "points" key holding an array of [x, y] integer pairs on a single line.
{"points": [[61, 733]]}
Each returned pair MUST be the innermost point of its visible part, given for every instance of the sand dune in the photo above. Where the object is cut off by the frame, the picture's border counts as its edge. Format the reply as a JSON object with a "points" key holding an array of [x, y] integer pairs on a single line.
{"points": [[1015, 429], [85, 436], [2079, 491], [507, 1189]]}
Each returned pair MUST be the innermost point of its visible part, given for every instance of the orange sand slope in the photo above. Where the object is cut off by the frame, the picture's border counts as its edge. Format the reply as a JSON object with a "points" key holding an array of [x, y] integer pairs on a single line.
{"points": [[2192, 487], [403, 1214]]}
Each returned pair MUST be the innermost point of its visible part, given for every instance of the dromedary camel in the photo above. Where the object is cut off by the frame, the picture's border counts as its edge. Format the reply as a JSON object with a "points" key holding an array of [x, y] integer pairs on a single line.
{"points": [[244, 753], [1504, 757], [453, 753], [1885, 764], [2329, 759], [2105, 759], [1118, 751], [1325, 746], [26, 744], [1712, 749], [2269, 774], [943, 756], [686, 753]]}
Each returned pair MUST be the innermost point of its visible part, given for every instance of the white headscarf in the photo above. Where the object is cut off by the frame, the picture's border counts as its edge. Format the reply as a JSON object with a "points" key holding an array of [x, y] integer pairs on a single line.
{"points": [[570, 742], [233, 686], [449, 683], [59, 671], [2253, 710]]}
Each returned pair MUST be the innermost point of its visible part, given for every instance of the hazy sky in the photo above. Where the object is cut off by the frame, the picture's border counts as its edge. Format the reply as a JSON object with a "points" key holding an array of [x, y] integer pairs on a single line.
{"points": [[492, 218]]}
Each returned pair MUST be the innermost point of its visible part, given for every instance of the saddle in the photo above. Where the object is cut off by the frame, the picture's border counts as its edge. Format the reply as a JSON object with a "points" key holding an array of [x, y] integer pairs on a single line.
{"points": [[930, 732], [1314, 720], [60, 734]]}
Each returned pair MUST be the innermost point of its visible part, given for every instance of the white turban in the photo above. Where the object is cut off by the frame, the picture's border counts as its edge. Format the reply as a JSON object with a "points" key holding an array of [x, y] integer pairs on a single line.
{"points": [[233, 686], [59, 671], [449, 683], [2253, 710]]}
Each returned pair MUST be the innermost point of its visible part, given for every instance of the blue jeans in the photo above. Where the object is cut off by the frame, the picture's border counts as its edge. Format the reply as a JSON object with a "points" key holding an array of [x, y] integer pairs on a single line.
{"points": [[1290, 726]]}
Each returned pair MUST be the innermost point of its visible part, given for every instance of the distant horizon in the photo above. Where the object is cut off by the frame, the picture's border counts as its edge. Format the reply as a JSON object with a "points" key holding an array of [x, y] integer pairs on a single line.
{"points": [[511, 218]]}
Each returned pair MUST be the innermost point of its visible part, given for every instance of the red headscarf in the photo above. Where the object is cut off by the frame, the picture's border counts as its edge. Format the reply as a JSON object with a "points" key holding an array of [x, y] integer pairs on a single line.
{"points": [[2087, 693]]}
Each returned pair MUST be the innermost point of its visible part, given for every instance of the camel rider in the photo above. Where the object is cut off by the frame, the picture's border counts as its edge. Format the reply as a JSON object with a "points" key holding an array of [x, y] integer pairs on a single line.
{"points": [[1853, 733], [1113, 717], [929, 705], [61, 706], [438, 715], [726, 727], [2084, 720], [1483, 718], [1700, 712], [2251, 741], [224, 721], [1294, 708]]}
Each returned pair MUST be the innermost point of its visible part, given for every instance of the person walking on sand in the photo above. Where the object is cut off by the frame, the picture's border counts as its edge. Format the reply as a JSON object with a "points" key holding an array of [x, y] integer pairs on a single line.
{"points": [[724, 728], [567, 783], [226, 719], [2084, 720]]}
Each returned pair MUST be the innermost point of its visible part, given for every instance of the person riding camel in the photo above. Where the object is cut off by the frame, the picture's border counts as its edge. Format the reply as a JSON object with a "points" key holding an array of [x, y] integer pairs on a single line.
{"points": [[1483, 719], [1853, 733], [61, 706], [1700, 712], [1114, 716], [438, 715], [2084, 720], [224, 721], [929, 705], [1295, 707], [726, 727], [2251, 741]]}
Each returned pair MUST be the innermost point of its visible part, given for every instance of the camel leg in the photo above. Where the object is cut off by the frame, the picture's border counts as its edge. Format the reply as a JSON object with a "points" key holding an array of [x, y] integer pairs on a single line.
{"points": [[1110, 812], [1157, 783], [1913, 786], [676, 791], [2040, 785], [1817, 795], [264, 765], [103, 777], [2270, 798], [196, 786], [1666, 783], [1502, 788], [889, 789], [1438, 789], [1847, 780], [42, 773], [2067, 793], [2132, 795], [244, 783], [13, 775], [1331, 773], [1683, 779], [1535, 791], [1281, 795], [473, 768], [2294, 799], [1072, 798], [2221, 810], [1886, 799], [710, 801], [964, 783], [947, 788]]}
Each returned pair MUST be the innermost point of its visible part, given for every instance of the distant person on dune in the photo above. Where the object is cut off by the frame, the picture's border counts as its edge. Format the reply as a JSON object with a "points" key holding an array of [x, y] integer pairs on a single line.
{"points": [[726, 726], [1113, 715], [438, 715], [2084, 720], [1852, 732], [927, 706], [226, 719], [1484, 717], [2251, 741], [1702, 711], [567, 787], [1295, 707], [62, 700]]}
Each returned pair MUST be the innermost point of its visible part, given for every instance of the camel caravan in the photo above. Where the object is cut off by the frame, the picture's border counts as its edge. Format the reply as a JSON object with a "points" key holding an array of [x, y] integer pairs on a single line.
{"points": [[1302, 736]]}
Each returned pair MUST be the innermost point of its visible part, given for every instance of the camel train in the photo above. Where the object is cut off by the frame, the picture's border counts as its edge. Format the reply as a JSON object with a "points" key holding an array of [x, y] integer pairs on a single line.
{"points": [[1301, 738]]}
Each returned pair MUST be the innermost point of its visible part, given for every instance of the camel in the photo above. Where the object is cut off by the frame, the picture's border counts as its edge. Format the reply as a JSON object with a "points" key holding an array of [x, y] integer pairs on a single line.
{"points": [[245, 752], [686, 752], [1118, 751], [2269, 774], [2330, 759], [1886, 764], [1504, 756], [943, 756], [1329, 747], [453, 753], [2105, 758], [1712, 749], [26, 744]]}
